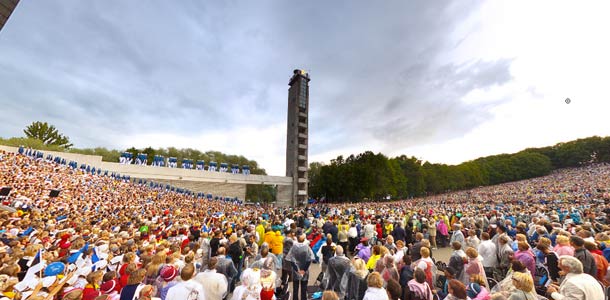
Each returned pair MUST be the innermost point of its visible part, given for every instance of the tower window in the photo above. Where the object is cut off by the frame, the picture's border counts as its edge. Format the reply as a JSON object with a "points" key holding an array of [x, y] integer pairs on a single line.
{"points": [[303, 95]]}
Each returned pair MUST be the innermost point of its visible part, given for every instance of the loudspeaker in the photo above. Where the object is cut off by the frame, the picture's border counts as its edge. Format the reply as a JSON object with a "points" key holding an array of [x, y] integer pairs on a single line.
{"points": [[5, 191], [54, 193]]}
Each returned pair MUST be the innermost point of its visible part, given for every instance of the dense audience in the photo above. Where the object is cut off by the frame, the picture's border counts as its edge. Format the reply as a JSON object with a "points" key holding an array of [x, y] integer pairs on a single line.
{"points": [[107, 238]]}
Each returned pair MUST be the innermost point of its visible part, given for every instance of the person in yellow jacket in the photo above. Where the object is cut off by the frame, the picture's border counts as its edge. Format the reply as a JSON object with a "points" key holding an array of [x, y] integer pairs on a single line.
{"points": [[269, 236], [277, 246], [375, 256], [260, 230], [389, 227]]}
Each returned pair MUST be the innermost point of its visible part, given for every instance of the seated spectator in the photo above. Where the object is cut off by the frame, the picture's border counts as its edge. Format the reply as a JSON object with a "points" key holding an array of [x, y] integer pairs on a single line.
{"points": [[457, 290], [576, 285], [524, 287]]}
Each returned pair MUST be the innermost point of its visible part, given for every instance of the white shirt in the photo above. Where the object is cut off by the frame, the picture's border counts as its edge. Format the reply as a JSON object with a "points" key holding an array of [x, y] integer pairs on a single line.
{"points": [[182, 290], [214, 284], [373, 293], [352, 232], [369, 230], [399, 255], [487, 250], [580, 287]]}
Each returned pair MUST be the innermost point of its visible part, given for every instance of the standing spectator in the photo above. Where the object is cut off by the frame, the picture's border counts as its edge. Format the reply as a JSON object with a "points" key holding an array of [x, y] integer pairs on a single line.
{"points": [[133, 285], [457, 235], [205, 250], [505, 256], [363, 250], [330, 295], [226, 267], [301, 256], [375, 290], [457, 260], [352, 235], [215, 243], [328, 251], [389, 271], [394, 290], [432, 232], [414, 250], [356, 280], [418, 288], [286, 265], [166, 280], [251, 250], [338, 267], [342, 235], [399, 233], [267, 279], [487, 250], [277, 247], [187, 288], [472, 240], [236, 253], [215, 285], [369, 230], [443, 231], [389, 244]]}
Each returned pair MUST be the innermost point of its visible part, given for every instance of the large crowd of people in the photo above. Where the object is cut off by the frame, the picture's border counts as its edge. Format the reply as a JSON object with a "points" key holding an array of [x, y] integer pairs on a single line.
{"points": [[107, 238]]}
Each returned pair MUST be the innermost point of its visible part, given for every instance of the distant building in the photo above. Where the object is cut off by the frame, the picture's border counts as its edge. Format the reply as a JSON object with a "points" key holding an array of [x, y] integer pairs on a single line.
{"points": [[297, 135], [6, 9]]}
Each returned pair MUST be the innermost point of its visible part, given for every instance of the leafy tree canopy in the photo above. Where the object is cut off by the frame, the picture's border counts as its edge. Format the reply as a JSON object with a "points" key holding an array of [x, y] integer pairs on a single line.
{"points": [[375, 176], [48, 134]]}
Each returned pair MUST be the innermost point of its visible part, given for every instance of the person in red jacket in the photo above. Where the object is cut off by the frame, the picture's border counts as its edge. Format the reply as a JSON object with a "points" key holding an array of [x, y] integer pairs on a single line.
{"points": [[129, 270], [111, 283], [92, 289]]}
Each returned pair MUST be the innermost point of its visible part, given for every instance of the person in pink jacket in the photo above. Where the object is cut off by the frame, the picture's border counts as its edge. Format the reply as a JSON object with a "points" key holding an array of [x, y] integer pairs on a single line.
{"points": [[443, 231]]}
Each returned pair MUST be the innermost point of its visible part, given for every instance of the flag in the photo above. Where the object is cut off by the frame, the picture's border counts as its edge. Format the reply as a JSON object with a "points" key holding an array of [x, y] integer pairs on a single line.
{"points": [[76, 255], [35, 260], [94, 257], [36, 265]]}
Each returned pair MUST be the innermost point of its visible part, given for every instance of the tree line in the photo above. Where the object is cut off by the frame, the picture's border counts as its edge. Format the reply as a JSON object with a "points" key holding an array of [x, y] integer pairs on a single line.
{"points": [[370, 176]]}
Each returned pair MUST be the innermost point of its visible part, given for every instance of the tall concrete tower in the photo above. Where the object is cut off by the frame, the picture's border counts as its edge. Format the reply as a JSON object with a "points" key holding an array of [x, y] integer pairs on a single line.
{"points": [[6, 8], [297, 135]]}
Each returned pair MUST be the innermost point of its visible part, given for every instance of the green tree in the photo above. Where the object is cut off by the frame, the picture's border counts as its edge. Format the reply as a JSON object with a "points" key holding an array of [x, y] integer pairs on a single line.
{"points": [[48, 134], [315, 183]]}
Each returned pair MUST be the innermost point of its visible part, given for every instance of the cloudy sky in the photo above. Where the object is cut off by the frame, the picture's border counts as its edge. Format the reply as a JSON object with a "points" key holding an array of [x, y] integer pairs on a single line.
{"points": [[446, 81]]}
